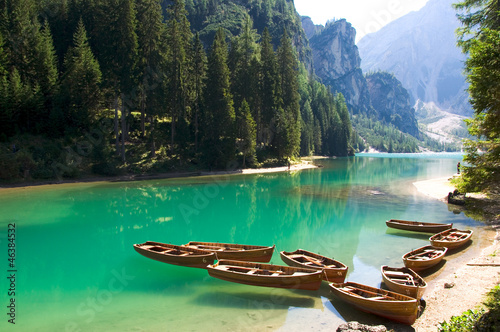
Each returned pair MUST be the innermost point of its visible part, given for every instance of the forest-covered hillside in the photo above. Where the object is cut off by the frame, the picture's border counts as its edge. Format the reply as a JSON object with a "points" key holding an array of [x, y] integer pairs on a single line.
{"points": [[113, 86]]}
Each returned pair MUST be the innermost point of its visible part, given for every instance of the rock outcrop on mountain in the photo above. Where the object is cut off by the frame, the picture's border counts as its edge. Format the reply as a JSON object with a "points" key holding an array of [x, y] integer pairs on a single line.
{"points": [[309, 27], [392, 102], [336, 61], [420, 49]]}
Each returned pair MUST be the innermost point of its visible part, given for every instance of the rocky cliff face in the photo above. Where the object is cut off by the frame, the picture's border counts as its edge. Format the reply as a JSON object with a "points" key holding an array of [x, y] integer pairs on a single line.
{"points": [[336, 61], [309, 27], [392, 102], [420, 49]]}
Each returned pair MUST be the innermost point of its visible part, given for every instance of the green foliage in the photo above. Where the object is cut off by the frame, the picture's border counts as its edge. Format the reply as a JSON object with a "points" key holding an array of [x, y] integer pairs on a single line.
{"points": [[477, 320], [151, 58], [464, 323], [63, 63], [274, 15], [387, 138], [480, 38], [247, 134], [384, 137], [81, 83], [490, 321], [198, 78], [477, 16], [179, 38], [218, 114], [287, 143]]}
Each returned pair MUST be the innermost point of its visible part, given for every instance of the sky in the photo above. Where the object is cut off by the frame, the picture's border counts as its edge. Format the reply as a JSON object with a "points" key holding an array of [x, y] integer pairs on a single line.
{"points": [[366, 16]]}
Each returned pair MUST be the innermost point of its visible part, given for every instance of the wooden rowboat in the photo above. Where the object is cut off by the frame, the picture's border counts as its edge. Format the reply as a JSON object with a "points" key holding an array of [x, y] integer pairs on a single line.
{"points": [[418, 226], [391, 305], [404, 281], [451, 239], [424, 257], [333, 271], [240, 252], [173, 254], [266, 275]]}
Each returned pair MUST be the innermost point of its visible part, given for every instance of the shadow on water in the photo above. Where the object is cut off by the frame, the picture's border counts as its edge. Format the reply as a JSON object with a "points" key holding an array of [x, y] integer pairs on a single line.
{"points": [[323, 291], [413, 235], [250, 300]]}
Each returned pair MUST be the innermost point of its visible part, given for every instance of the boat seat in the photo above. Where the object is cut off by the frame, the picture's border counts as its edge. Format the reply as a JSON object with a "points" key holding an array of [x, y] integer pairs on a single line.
{"points": [[378, 298], [398, 275]]}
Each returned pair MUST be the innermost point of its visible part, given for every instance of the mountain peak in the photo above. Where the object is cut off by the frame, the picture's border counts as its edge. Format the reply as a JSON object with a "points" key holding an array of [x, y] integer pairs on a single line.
{"points": [[420, 49]]}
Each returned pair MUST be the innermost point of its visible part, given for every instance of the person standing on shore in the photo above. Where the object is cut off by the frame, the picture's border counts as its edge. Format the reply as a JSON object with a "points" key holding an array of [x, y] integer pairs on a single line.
{"points": [[458, 168]]}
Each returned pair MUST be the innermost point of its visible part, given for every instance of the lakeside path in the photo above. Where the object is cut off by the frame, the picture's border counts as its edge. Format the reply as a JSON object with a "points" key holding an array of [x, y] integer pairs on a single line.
{"points": [[471, 283]]}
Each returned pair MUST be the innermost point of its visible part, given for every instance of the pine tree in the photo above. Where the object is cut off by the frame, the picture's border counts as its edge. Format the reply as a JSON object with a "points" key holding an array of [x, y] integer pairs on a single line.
{"points": [[290, 98], [269, 90], [218, 113], [477, 17], [5, 121], [18, 97], [151, 57], [243, 50], [246, 133], [307, 133], [81, 82], [179, 38], [21, 31], [480, 39], [115, 39], [48, 76], [198, 76], [345, 129], [31, 52], [3, 56]]}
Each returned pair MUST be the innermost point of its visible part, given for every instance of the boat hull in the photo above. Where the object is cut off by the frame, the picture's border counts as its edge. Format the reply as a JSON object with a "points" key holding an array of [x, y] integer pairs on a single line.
{"points": [[414, 260], [240, 252], [176, 255], [290, 277], [397, 281], [448, 240], [335, 274], [387, 304], [416, 226]]}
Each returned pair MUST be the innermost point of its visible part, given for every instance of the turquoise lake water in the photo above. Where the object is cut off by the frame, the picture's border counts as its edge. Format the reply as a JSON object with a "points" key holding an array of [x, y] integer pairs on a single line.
{"points": [[76, 270]]}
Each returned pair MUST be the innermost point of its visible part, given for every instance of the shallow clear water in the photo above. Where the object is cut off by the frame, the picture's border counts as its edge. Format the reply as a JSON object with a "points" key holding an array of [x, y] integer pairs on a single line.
{"points": [[76, 269]]}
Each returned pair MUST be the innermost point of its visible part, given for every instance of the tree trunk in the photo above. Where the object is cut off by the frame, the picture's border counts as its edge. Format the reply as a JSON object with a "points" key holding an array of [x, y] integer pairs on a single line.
{"points": [[117, 137], [196, 129], [124, 129], [172, 134], [153, 146], [143, 114]]}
